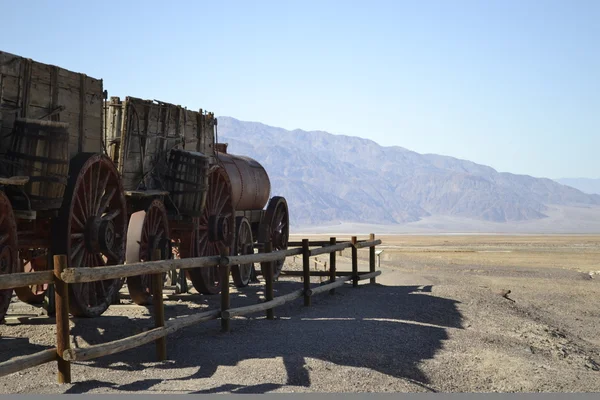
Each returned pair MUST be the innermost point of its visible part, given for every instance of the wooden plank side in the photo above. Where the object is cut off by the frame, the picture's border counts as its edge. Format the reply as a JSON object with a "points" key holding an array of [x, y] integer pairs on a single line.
{"points": [[39, 93]]}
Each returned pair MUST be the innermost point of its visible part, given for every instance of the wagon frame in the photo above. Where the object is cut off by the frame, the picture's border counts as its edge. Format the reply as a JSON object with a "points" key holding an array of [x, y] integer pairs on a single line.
{"points": [[77, 179]]}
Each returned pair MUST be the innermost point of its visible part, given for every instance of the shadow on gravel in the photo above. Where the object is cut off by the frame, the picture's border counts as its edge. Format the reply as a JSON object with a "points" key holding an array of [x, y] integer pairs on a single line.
{"points": [[12, 347], [388, 329]]}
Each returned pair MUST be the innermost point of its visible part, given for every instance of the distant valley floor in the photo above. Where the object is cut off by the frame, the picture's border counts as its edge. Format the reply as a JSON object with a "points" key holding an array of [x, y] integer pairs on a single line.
{"points": [[561, 220]]}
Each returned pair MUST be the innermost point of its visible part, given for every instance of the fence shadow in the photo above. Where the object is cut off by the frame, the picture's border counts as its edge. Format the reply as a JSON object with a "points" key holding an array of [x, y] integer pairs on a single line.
{"points": [[388, 329]]}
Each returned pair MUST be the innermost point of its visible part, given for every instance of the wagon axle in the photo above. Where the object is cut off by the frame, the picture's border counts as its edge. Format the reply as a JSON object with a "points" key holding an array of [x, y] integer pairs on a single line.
{"points": [[99, 235], [219, 229]]}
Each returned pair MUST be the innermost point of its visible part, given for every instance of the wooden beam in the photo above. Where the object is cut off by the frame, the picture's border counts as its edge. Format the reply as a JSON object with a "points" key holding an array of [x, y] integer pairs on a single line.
{"points": [[323, 288], [316, 273], [224, 270], [61, 296], [354, 262], [332, 265], [261, 257], [278, 301], [330, 249], [369, 275], [372, 257], [267, 266], [116, 346], [360, 245], [306, 270], [159, 309], [81, 275], [23, 362], [11, 281], [316, 243]]}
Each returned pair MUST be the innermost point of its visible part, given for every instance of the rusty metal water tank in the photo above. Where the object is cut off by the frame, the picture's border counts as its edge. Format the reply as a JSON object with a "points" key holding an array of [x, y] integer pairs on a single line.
{"points": [[250, 184]]}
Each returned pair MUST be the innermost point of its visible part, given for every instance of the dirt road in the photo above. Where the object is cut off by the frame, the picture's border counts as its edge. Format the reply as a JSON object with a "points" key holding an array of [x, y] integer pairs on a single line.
{"points": [[428, 325]]}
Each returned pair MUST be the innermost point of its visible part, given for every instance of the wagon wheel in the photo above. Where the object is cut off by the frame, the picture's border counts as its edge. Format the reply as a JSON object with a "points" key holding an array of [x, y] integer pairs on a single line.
{"points": [[91, 228], [212, 231], [244, 244], [8, 249], [148, 231], [33, 260], [277, 217]]}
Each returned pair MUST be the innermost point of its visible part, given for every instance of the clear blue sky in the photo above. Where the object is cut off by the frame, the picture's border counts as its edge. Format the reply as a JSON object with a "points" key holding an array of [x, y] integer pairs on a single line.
{"points": [[511, 84]]}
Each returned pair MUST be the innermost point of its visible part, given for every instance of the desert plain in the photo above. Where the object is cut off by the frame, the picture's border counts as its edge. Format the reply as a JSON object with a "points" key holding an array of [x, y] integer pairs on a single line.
{"points": [[450, 313]]}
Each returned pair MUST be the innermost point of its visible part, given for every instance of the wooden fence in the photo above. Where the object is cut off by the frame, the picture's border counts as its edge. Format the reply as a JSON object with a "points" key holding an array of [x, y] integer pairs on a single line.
{"points": [[62, 276]]}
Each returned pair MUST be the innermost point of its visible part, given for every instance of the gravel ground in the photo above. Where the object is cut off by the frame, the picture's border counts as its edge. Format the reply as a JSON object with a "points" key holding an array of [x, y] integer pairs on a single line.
{"points": [[423, 327]]}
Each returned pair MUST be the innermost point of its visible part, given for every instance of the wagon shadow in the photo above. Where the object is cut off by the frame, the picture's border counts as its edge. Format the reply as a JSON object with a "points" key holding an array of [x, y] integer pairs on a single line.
{"points": [[12, 347], [387, 329]]}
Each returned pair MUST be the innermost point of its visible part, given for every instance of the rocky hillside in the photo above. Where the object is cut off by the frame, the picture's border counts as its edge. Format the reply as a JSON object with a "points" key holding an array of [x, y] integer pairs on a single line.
{"points": [[330, 178], [586, 185]]}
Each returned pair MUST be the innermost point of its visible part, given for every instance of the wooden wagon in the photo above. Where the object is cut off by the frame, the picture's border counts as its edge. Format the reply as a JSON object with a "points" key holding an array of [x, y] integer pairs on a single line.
{"points": [[106, 181]]}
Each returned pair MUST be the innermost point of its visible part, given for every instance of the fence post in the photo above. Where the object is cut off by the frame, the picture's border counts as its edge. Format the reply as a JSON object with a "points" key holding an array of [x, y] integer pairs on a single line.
{"points": [[372, 258], [225, 298], [159, 309], [354, 263], [61, 293], [268, 268], [332, 277], [306, 270]]}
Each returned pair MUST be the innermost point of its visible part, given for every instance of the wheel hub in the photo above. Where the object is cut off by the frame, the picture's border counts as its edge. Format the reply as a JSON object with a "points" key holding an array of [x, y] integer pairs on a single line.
{"points": [[279, 239], [218, 229], [107, 236], [99, 235]]}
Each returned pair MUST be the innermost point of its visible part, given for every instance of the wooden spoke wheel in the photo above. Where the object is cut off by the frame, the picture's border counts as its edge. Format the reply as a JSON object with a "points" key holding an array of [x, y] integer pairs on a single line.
{"points": [[8, 249], [147, 232], [91, 228], [211, 232], [244, 244], [277, 216], [32, 261]]}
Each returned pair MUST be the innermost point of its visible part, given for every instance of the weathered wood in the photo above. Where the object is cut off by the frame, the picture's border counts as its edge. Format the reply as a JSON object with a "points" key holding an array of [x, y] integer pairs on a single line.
{"points": [[360, 245], [315, 243], [330, 248], [81, 275], [354, 262], [316, 273], [23, 279], [183, 322], [332, 264], [225, 297], [145, 193], [323, 288], [159, 309], [372, 257], [14, 180], [306, 270], [370, 275], [262, 257], [267, 266], [117, 346], [276, 302], [61, 295], [23, 362], [39, 89]]}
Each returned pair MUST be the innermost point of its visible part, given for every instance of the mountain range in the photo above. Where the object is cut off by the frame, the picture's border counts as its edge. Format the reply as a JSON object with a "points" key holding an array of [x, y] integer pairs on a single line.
{"points": [[330, 180]]}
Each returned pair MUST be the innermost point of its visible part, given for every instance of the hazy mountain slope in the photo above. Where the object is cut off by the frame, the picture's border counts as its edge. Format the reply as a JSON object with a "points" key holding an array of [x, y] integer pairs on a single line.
{"points": [[332, 178], [586, 185]]}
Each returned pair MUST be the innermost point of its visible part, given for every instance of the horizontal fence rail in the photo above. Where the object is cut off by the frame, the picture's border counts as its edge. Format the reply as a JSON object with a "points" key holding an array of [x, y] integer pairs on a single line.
{"points": [[22, 279], [62, 276]]}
